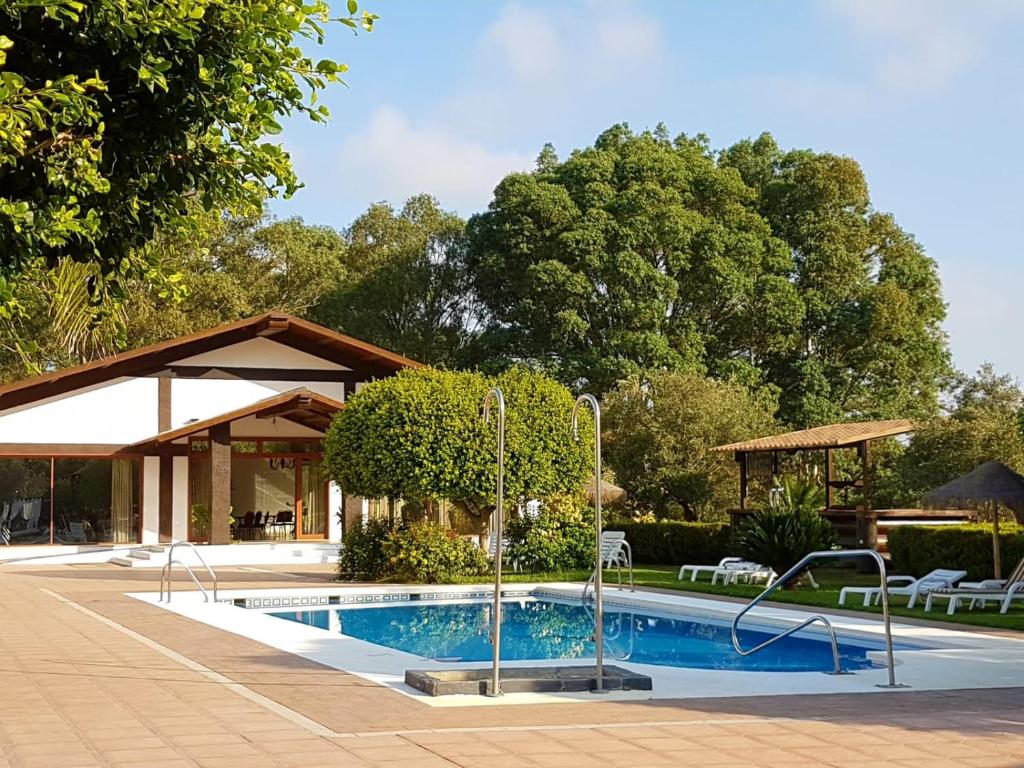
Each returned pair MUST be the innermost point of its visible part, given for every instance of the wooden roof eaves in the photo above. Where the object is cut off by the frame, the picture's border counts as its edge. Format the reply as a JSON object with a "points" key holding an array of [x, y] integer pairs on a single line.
{"points": [[283, 328]]}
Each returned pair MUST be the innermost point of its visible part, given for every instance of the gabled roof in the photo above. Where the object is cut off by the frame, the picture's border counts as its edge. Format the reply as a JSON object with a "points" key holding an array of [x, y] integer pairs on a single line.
{"points": [[300, 405], [828, 436], [291, 331]]}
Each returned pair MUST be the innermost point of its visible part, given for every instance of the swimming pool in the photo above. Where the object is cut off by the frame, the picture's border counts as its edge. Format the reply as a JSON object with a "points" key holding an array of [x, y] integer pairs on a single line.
{"points": [[544, 628]]}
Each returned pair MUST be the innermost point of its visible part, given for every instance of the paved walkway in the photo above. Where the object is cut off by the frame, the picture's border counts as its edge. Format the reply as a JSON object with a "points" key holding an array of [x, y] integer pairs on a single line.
{"points": [[89, 677]]}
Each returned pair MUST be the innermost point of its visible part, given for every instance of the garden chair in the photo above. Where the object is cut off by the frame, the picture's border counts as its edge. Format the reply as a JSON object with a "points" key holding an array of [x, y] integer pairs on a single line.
{"points": [[695, 570], [492, 551], [1002, 591], [746, 571], [908, 586]]}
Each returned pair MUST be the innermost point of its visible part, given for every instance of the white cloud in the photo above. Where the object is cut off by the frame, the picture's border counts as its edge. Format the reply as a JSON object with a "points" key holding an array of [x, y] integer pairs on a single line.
{"points": [[925, 43], [531, 68], [394, 157], [527, 42]]}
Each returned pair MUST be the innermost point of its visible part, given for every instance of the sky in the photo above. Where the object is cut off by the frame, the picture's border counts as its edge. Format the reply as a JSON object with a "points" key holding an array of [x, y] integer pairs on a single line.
{"points": [[448, 96]]}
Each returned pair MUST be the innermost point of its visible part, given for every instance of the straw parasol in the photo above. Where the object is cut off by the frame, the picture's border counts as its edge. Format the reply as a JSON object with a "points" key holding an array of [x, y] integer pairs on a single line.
{"points": [[611, 494], [986, 486]]}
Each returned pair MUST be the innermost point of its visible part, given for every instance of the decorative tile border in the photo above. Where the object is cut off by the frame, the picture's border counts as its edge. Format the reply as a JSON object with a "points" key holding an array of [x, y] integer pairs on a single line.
{"points": [[362, 599]]}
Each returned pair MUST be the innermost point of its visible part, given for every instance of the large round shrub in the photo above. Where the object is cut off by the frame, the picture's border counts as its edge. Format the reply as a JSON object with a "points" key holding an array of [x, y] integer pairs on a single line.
{"points": [[419, 435]]}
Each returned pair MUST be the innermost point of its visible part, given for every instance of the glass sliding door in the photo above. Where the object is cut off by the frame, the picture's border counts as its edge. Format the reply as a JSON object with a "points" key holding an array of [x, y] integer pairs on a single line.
{"points": [[95, 500], [24, 501]]}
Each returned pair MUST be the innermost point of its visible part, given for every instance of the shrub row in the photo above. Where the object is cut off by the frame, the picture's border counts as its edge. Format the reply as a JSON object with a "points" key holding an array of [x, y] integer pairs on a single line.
{"points": [[421, 552], [918, 549], [672, 542]]}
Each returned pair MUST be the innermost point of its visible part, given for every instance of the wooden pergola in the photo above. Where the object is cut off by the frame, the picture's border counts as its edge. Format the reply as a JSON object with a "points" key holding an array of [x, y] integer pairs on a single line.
{"points": [[856, 526], [761, 454]]}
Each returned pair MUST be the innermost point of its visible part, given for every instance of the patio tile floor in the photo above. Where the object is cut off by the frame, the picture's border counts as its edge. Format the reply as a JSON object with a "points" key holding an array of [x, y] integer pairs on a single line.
{"points": [[76, 691]]}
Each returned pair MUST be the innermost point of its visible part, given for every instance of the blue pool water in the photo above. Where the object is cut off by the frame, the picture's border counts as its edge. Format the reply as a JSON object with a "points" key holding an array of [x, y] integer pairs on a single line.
{"points": [[547, 629]]}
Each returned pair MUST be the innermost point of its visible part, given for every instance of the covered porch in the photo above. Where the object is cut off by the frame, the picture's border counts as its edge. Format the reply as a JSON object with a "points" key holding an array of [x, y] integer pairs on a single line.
{"points": [[251, 474]]}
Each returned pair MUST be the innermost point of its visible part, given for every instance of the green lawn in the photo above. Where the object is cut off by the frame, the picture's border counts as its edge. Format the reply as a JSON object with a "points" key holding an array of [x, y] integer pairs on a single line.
{"points": [[830, 581]]}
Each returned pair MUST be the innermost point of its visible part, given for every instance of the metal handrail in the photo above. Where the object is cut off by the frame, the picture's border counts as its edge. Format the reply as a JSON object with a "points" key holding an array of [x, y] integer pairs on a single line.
{"points": [[796, 570], [165, 573]]}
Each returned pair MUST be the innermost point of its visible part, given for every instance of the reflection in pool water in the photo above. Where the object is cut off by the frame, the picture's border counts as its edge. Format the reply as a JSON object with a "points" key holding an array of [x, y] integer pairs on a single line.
{"points": [[548, 629]]}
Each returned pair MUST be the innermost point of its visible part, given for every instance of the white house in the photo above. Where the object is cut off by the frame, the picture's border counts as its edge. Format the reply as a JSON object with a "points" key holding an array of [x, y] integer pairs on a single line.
{"points": [[212, 438]]}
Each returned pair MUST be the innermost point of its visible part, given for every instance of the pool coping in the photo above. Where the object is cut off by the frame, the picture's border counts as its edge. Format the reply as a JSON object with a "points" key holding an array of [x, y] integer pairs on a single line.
{"points": [[952, 660]]}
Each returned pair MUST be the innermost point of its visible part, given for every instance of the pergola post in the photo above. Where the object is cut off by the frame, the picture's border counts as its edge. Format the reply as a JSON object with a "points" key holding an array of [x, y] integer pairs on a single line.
{"points": [[220, 483], [741, 457], [829, 475]]}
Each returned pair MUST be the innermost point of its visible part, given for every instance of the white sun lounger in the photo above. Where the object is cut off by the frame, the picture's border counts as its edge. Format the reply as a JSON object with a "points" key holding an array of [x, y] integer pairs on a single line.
{"points": [[695, 570], [1002, 591], [940, 578], [749, 573]]}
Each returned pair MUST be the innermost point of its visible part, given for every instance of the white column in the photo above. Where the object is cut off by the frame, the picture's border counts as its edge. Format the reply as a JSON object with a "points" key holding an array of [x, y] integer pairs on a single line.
{"points": [[151, 500], [334, 504], [179, 506]]}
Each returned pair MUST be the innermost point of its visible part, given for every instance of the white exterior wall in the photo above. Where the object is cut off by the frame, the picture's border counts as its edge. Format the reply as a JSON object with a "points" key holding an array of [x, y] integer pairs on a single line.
{"points": [[123, 411], [151, 500]]}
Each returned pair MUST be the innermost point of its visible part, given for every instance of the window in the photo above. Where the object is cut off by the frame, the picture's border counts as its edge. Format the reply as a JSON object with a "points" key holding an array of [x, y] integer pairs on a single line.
{"points": [[95, 500], [69, 501], [24, 501]]}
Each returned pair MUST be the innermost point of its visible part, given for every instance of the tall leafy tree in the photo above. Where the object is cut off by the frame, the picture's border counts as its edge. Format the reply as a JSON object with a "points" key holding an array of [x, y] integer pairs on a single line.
{"points": [[234, 268], [241, 267], [984, 422], [638, 252], [659, 429], [407, 287], [119, 117], [870, 341], [752, 264]]}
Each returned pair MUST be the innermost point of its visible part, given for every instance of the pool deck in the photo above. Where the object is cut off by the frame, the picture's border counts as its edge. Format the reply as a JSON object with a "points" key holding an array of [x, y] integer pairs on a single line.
{"points": [[92, 677]]}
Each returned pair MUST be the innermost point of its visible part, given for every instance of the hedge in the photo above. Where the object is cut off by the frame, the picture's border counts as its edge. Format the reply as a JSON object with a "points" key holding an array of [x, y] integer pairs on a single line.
{"points": [[675, 542], [918, 549]]}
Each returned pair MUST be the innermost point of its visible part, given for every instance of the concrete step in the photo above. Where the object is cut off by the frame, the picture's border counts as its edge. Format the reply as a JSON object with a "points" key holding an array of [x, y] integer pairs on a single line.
{"points": [[139, 554], [156, 548], [124, 562]]}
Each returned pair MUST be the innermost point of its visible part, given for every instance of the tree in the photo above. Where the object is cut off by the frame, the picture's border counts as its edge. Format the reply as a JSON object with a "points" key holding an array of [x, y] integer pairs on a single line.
{"points": [[235, 268], [752, 264], [983, 423], [119, 117], [659, 431], [241, 267], [419, 436], [407, 287], [870, 342], [637, 253]]}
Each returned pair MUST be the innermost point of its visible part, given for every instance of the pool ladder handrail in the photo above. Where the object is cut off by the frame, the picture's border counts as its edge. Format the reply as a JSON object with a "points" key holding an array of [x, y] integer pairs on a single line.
{"points": [[795, 571], [165, 573]]}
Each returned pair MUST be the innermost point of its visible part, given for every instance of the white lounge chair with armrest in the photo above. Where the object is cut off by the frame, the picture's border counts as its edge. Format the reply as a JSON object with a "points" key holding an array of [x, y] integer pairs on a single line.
{"points": [[745, 571], [908, 586], [616, 553], [1002, 591], [695, 570]]}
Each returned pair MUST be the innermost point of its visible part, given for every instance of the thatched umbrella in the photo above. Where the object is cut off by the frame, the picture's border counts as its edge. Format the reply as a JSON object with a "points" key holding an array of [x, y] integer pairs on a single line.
{"points": [[988, 485], [611, 494]]}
